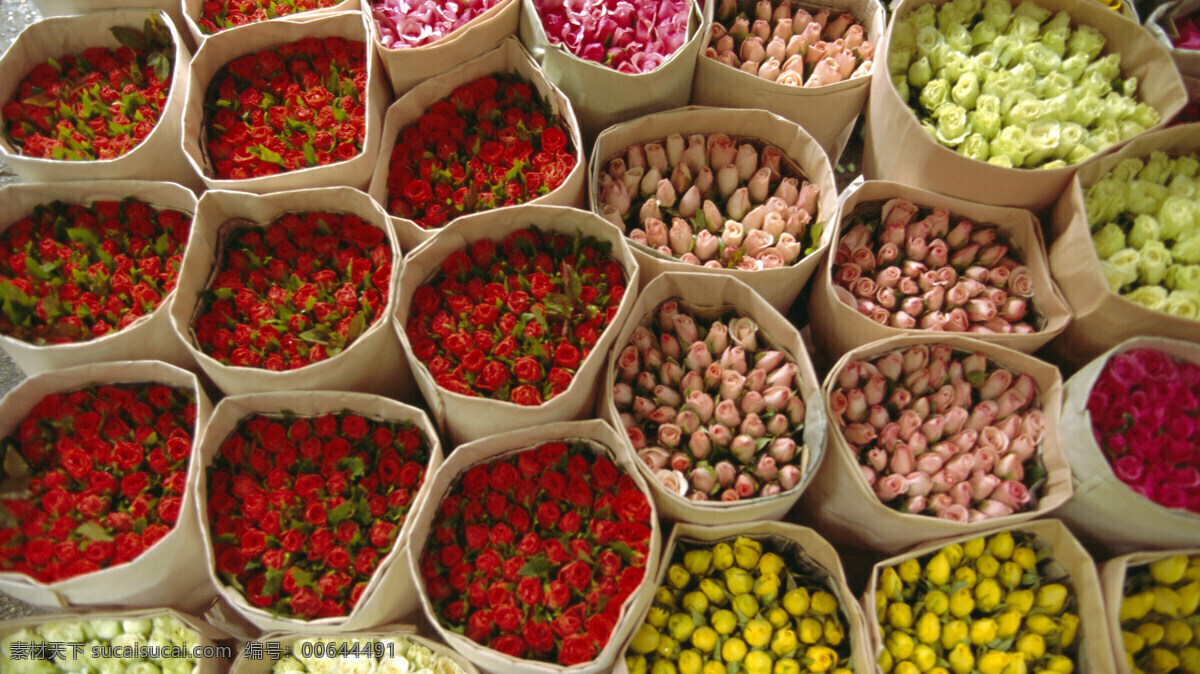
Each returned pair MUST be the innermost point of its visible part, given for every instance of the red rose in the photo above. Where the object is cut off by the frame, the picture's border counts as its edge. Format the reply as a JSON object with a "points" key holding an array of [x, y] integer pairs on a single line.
{"points": [[632, 506], [576, 649], [554, 140], [337, 558], [134, 484], [530, 544], [570, 522], [538, 636], [305, 603], [604, 473], [529, 591], [476, 535], [576, 574], [493, 376], [548, 514], [528, 369], [510, 644], [480, 626], [508, 617], [526, 395], [567, 623]]}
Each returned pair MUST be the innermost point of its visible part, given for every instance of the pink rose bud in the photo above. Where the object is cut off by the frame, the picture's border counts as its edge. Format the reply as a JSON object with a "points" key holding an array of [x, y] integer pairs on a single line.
{"points": [[670, 435], [688, 421], [902, 460], [773, 224], [698, 357], [878, 416], [635, 157], [933, 428], [656, 157], [910, 423], [859, 434], [707, 245], [958, 321], [939, 502], [1033, 425], [992, 439], [652, 359], [680, 236], [921, 407], [929, 463], [670, 373], [680, 181], [672, 480], [993, 508], [665, 395], [850, 375], [966, 255], [961, 494], [675, 147], [732, 235], [669, 346], [753, 403], [854, 37], [958, 295], [886, 297], [918, 444], [765, 469], [1010, 426], [912, 306], [769, 70], [985, 236], [616, 196], [778, 424], [939, 254], [656, 233], [856, 405], [623, 395], [795, 410], [719, 435], [934, 320], [699, 444], [628, 363], [704, 182], [978, 273], [638, 236], [663, 415], [868, 474], [726, 473], [1010, 467], [690, 203], [680, 461], [826, 72], [960, 235], [1023, 446], [734, 359], [743, 448], [730, 495], [906, 286], [992, 254], [913, 269], [982, 416], [746, 486], [790, 476], [914, 505], [945, 449], [890, 487], [888, 277], [1025, 385], [875, 389], [1012, 494], [891, 365], [655, 458], [725, 44], [746, 162], [919, 483], [753, 425], [783, 450], [889, 435], [702, 404], [704, 479], [878, 459], [1014, 309], [956, 419], [695, 156], [918, 382], [726, 412], [955, 513], [611, 214], [981, 309], [965, 440], [902, 320], [982, 485], [713, 375], [1012, 401], [643, 407], [845, 64]]}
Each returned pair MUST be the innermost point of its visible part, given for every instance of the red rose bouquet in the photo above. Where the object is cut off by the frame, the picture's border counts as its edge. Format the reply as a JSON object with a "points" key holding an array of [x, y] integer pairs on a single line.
{"points": [[490, 143], [292, 107], [73, 272], [534, 554], [295, 292], [218, 15], [514, 321], [99, 104], [302, 510], [99, 474]]}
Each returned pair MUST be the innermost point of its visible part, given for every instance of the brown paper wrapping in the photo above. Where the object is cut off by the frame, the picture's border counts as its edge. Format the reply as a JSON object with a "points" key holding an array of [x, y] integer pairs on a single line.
{"points": [[811, 545], [604, 440], [168, 573], [778, 286], [838, 327], [173, 8], [226, 46], [827, 113], [1103, 318], [1112, 589], [1161, 25], [710, 296], [846, 509], [192, 8], [1105, 513], [244, 665], [898, 149], [465, 418], [149, 337], [1095, 652], [372, 364], [390, 594], [511, 57], [155, 158]]}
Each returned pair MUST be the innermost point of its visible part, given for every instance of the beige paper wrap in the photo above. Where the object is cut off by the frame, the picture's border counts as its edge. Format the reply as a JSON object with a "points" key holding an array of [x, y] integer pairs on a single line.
{"points": [[603, 440], [827, 113], [1103, 318], [1161, 25], [173, 8], [899, 149], [778, 286], [390, 594], [168, 573], [509, 57], [794, 543], [226, 46], [407, 68], [465, 418], [838, 327], [158, 157], [151, 336], [709, 296], [1105, 513], [1112, 589], [192, 9], [604, 97], [1094, 655], [208, 635], [373, 363], [841, 504], [244, 665]]}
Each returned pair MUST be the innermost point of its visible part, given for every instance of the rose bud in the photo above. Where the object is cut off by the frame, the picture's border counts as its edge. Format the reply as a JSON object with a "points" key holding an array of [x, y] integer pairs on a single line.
{"points": [[877, 458], [699, 444], [725, 44], [977, 273], [856, 405], [664, 192], [854, 37], [790, 476], [652, 359], [766, 469], [914, 505], [912, 306], [753, 402], [675, 146], [753, 426], [738, 204], [919, 483], [672, 480], [645, 381], [643, 407], [906, 286], [939, 254], [994, 440], [702, 404], [732, 384], [773, 224], [681, 181], [982, 485], [670, 373], [770, 69], [703, 478], [993, 508], [730, 495], [648, 185], [910, 423], [960, 466], [656, 233], [939, 502], [638, 236], [962, 393], [921, 407], [795, 410], [670, 435], [943, 480], [1010, 426], [654, 457], [707, 245], [713, 375], [838, 404], [890, 487], [961, 493], [784, 375], [888, 277], [680, 461], [745, 486], [1012, 401], [633, 180], [698, 358], [868, 474], [761, 28], [933, 428], [611, 214], [720, 435], [669, 345], [1012, 494], [965, 440], [623, 395], [628, 363], [859, 434], [746, 159], [1010, 467], [778, 424], [726, 413], [901, 320], [875, 389], [982, 416], [666, 395], [902, 460], [891, 365], [955, 513], [929, 463], [917, 382]]}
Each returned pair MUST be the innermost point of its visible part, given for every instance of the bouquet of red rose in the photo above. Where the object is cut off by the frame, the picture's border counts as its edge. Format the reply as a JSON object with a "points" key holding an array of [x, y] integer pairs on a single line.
{"points": [[303, 510], [214, 16], [492, 142], [534, 553]]}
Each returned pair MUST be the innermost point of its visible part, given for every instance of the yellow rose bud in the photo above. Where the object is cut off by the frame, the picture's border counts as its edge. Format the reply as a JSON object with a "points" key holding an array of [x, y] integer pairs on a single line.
{"points": [[786, 666], [704, 639], [796, 601], [738, 581], [910, 571], [987, 566], [778, 617], [757, 662], [954, 632], [698, 562], [811, 630], [636, 664], [843, 670], [645, 639], [988, 595], [733, 650], [954, 553], [906, 667], [1135, 607], [713, 591], [820, 658], [993, 662], [1001, 545], [1133, 642], [696, 602], [899, 615], [681, 626], [678, 577], [1166, 601], [924, 657], [1008, 623], [885, 661], [1061, 664], [1170, 570], [974, 547], [1179, 634], [1189, 599], [966, 575], [663, 667], [1026, 558], [658, 616], [745, 606], [746, 552], [723, 621], [757, 633], [784, 641], [929, 628], [667, 647], [1162, 660], [939, 670], [1193, 570], [890, 583], [982, 631], [1016, 665], [1189, 660], [881, 604], [1068, 626], [715, 667], [722, 556], [834, 632], [1010, 575], [766, 586], [1020, 601], [824, 603], [961, 660], [936, 602], [1051, 598], [771, 563], [691, 662], [1040, 623], [1153, 633], [899, 644], [938, 570], [961, 603], [665, 596], [1032, 646]]}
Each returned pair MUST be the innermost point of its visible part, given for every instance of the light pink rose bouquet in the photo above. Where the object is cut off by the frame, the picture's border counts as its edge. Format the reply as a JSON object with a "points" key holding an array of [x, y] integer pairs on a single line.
{"points": [[942, 431], [788, 44], [712, 201], [404, 24], [629, 36], [916, 268], [710, 407]]}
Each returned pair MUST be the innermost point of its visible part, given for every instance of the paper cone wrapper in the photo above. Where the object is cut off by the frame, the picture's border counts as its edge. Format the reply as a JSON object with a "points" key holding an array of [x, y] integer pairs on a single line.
{"points": [[1161, 25], [173, 8], [193, 8], [1112, 588], [245, 665]]}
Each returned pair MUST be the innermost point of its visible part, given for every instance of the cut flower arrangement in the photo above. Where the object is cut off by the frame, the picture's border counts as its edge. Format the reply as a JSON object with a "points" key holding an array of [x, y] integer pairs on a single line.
{"points": [[1159, 613], [98, 104], [97, 635], [219, 15], [377, 655], [75, 271], [405, 24], [630, 36], [1016, 87], [490, 143]]}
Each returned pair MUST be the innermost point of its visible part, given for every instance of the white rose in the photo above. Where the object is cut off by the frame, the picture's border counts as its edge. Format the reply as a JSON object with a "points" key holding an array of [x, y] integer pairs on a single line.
{"points": [[141, 626], [62, 632], [289, 665], [106, 629]]}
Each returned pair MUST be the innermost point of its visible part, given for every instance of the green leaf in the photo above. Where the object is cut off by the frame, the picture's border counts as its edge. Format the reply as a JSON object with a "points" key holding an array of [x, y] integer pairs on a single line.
{"points": [[162, 66], [93, 532], [356, 466], [310, 154], [162, 245], [316, 336], [274, 583], [266, 154], [342, 512], [536, 566], [130, 37], [356, 327], [229, 539], [36, 270], [976, 379]]}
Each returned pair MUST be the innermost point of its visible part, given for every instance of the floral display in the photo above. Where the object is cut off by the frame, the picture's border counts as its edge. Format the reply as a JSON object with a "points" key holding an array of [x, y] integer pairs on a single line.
{"points": [[985, 605], [1145, 221], [535, 553], [404, 24], [99, 475], [730, 205], [1143, 411], [298, 291], [302, 510], [89, 643], [1015, 87], [98, 104], [741, 607], [910, 271], [1159, 615], [710, 407], [514, 321], [293, 107], [53, 291], [386, 655], [490, 143], [943, 432], [218, 15], [630, 36], [1188, 32], [784, 43]]}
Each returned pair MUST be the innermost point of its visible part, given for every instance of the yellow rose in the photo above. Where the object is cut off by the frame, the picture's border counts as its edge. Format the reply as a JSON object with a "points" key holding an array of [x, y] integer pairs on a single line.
{"points": [[691, 662], [1032, 646], [784, 642], [1001, 545], [636, 664], [678, 577], [645, 639], [658, 616], [766, 586], [1151, 633], [966, 575], [1041, 624], [811, 630], [1010, 575], [695, 601], [937, 571], [993, 662], [936, 602], [713, 590], [723, 621], [834, 632], [961, 660], [681, 626], [954, 632], [739, 581], [786, 666], [924, 657], [663, 667], [797, 601], [1026, 558], [667, 647], [722, 556], [698, 562], [988, 595], [929, 628], [982, 631], [1061, 664], [1189, 659], [778, 617], [1166, 601], [1162, 660], [1189, 599], [961, 603], [1179, 633], [910, 571], [824, 603], [746, 552], [1020, 601], [771, 563], [820, 658], [974, 547], [705, 639], [954, 553], [1133, 642], [745, 606], [885, 661], [899, 615], [665, 596], [899, 644], [987, 566], [757, 662], [733, 650], [1068, 626], [890, 584], [1136, 607], [757, 633], [1007, 624], [906, 667], [715, 667]]}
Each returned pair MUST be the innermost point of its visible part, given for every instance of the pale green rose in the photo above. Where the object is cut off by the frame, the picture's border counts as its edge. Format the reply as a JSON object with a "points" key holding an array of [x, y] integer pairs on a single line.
{"points": [[919, 73], [1025, 74], [1151, 297], [1153, 260], [1129, 86], [1080, 153], [967, 8], [983, 33], [1142, 196], [1008, 50], [986, 120], [142, 668], [1072, 67], [900, 60], [1092, 84], [1145, 228], [1102, 137], [954, 66], [62, 632], [1183, 277], [1025, 112], [904, 36], [1056, 85], [1087, 109], [1043, 141], [140, 626], [929, 129], [1087, 41], [1187, 165], [289, 665], [949, 15], [1011, 142], [966, 91], [1116, 108], [1119, 276], [952, 126], [975, 147], [132, 640], [984, 63], [1187, 250], [929, 39], [1130, 128], [1070, 135], [1108, 67], [1109, 240], [1145, 115], [1158, 168], [1183, 304], [958, 37], [105, 629], [1055, 39], [901, 84], [999, 84], [925, 15], [998, 13], [1034, 11], [934, 95], [1042, 58], [1127, 169], [999, 160], [1182, 186], [1024, 28], [1053, 164]]}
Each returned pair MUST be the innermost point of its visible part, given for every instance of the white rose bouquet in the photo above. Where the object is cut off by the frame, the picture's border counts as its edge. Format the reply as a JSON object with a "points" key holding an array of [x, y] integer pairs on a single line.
{"points": [[130, 646]]}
